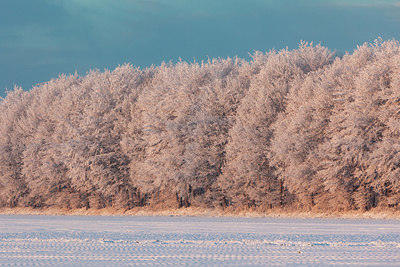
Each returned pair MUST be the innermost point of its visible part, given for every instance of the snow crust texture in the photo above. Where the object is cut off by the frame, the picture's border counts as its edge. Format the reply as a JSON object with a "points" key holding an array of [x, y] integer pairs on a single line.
{"points": [[27, 240]]}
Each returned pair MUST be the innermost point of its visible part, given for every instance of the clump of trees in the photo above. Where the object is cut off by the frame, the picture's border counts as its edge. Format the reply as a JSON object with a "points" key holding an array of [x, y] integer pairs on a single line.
{"points": [[297, 129]]}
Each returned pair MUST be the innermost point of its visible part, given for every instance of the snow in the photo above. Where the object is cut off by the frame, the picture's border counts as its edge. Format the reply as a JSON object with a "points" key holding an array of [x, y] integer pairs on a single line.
{"points": [[142, 241]]}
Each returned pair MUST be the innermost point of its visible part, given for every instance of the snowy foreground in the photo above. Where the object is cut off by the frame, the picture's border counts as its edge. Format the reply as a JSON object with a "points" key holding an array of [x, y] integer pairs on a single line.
{"points": [[117, 241]]}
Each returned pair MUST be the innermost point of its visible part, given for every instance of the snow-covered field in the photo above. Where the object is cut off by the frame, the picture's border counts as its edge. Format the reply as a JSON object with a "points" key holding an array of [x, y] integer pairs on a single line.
{"points": [[128, 240]]}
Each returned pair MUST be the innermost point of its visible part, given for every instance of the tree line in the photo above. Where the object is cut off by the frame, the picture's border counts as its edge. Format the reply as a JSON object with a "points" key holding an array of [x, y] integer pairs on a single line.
{"points": [[299, 128]]}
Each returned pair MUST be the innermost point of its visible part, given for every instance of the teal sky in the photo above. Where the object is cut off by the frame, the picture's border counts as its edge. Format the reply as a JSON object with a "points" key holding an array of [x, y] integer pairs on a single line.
{"points": [[41, 39]]}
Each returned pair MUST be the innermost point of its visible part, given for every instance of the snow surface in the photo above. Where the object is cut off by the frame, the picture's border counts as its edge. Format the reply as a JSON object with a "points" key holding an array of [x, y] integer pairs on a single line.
{"points": [[172, 241]]}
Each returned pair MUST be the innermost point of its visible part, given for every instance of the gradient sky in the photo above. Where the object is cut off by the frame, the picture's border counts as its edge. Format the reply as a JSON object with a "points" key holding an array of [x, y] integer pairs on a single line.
{"points": [[42, 38]]}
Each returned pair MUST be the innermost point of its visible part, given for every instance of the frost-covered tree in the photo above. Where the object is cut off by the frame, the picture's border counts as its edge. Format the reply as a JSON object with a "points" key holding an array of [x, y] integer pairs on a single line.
{"points": [[215, 110], [325, 140], [185, 113], [12, 184], [249, 178], [358, 153]]}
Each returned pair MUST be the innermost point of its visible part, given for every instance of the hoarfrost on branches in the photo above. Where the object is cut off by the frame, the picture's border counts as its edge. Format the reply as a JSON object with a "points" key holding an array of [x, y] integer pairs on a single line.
{"points": [[298, 128]]}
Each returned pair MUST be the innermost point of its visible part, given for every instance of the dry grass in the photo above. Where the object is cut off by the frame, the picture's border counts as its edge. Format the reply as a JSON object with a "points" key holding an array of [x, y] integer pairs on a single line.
{"points": [[192, 211]]}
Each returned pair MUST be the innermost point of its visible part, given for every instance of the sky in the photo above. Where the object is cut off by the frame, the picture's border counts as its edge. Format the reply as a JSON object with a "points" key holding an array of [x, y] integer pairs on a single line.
{"points": [[41, 39]]}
